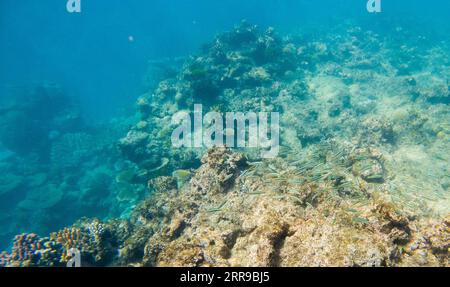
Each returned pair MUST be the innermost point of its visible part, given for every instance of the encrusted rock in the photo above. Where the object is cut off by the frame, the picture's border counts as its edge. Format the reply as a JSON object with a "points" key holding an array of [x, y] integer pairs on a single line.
{"points": [[218, 171]]}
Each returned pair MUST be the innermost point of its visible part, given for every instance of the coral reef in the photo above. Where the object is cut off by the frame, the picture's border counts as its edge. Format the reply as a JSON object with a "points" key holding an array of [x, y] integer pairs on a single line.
{"points": [[72, 175], [361, 178], [255, 224], [31, 250], [97, 242], [250, 221], [28, 128]]}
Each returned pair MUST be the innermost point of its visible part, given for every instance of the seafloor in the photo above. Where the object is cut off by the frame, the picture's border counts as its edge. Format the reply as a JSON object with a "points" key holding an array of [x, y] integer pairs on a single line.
{"points": [[362, 178]]}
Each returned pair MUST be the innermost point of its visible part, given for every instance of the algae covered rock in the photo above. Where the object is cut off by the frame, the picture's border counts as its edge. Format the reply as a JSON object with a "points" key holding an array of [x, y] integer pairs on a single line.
{"points": [[369, 169], [218, 171], [368, 164], [134, 144], [430, 246], [323, 242]]}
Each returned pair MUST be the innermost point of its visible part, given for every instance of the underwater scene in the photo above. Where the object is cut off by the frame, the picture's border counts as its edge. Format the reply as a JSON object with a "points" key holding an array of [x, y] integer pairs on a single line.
{"points": [[238, 133]]}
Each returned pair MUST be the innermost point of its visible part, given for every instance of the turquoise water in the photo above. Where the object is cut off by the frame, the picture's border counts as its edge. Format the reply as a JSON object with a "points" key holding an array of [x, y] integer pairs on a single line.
{"points": [[41, 41], [69, 83]]}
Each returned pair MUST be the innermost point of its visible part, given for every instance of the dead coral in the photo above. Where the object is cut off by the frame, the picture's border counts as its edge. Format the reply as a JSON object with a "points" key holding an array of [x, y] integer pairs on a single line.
{"points": [[429, 246], [218, 171]]}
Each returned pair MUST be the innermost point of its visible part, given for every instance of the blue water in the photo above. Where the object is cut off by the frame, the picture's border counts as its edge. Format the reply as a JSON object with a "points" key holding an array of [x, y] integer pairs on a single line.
{"points": [[100, 59], [91, 56]]}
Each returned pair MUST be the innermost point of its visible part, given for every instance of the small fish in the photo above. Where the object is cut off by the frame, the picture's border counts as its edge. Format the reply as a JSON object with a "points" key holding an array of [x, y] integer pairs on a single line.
{"points": [[360, 220], [254, 163], [216, 209], [228, 177], [272, 167], [255, 193]]}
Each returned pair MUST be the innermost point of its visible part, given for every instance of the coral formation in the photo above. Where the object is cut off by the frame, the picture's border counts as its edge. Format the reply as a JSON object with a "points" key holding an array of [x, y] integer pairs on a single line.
{"points": [[361, 179]]}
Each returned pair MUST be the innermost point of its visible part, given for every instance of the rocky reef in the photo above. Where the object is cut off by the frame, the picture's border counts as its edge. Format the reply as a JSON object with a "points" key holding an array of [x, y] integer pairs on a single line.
{"points": [[361, 178], [246, 220]]}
